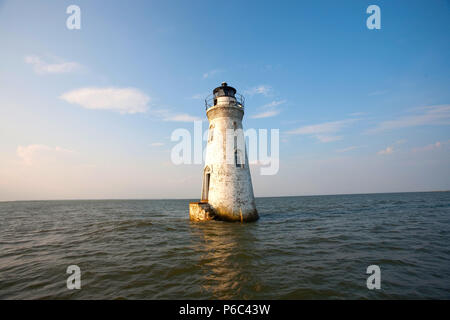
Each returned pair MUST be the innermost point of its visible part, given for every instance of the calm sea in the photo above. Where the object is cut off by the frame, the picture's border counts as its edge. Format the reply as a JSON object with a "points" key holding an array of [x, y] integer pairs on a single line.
{"points": [[301, 248]]}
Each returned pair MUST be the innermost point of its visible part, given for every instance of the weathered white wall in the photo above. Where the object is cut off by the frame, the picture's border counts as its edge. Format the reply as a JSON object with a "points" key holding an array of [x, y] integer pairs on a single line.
{"points": [[230, 187]]}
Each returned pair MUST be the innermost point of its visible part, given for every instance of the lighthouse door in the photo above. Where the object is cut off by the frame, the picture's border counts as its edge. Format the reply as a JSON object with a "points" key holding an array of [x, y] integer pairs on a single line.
{"points": [[205, 189]]}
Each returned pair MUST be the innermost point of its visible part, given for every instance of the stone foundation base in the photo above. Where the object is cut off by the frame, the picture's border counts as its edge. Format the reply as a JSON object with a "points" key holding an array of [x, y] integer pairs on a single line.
{"points": [[225, 215], [201, 211]]}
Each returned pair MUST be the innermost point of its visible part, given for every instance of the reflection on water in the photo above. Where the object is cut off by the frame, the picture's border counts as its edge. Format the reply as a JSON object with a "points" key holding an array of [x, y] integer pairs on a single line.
{"points": [[227, 258]]}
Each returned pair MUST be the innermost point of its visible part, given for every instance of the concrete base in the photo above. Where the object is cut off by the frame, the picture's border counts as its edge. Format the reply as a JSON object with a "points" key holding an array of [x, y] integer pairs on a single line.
{"points": [[201, 211], [246, 216]]}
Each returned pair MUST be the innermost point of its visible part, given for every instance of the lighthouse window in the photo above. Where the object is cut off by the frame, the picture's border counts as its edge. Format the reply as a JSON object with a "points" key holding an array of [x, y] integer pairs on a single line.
{"points": [[211, 132], [238, 159]]}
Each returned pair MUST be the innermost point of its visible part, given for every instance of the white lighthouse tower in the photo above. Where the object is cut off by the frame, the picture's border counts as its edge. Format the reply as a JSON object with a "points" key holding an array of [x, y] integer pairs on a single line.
{"points": [[227, 191]]}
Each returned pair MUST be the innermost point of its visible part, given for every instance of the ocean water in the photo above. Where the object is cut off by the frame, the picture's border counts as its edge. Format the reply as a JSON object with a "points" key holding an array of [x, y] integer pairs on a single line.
{"points": [[314, 247]]}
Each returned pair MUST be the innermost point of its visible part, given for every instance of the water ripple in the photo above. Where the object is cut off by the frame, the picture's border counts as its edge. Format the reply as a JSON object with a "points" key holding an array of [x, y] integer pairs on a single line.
{"points": [[301, 248]]}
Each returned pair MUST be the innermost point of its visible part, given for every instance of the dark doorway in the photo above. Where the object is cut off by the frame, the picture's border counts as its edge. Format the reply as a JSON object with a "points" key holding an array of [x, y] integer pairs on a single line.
{"points": [[205, 190]]}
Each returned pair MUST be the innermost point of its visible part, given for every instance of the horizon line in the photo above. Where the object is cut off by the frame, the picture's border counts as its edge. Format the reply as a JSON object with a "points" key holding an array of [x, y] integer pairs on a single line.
{"points": [[286, 196]]}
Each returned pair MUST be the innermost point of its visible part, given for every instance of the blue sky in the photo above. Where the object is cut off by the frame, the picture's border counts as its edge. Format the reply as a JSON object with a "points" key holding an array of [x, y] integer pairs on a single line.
{"points": [[358, 110]]}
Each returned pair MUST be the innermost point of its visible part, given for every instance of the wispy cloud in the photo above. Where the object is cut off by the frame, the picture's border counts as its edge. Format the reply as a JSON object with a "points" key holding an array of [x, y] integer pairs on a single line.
{"points": [[270, 110], [265, 114], [324, 132], [28, 153], [390, 149], [386, 151], [325, 138], [349, 149], [433, 146], [261, 89], [165, 114], [431, 115], [325, 127], [181, 117], [357, 114], [122, 100], [40, 66], [273, 104], [157, 144], [211, 73], [199, 96]]}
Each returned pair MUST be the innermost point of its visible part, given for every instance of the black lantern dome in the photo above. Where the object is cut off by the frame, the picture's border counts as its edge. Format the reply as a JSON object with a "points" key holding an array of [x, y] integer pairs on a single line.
{"points": [[224, 91]]}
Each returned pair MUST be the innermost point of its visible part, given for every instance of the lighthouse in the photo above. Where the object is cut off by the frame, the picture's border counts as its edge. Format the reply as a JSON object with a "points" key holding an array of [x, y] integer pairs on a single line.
{"points": [[227, 191]]}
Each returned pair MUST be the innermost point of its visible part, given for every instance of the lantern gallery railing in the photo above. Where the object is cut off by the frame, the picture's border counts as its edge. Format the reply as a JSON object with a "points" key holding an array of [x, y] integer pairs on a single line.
{"points": [[211, 101]]}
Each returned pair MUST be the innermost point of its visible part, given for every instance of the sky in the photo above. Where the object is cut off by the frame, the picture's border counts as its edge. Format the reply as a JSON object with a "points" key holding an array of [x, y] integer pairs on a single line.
{"points": [[88, 113]]}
